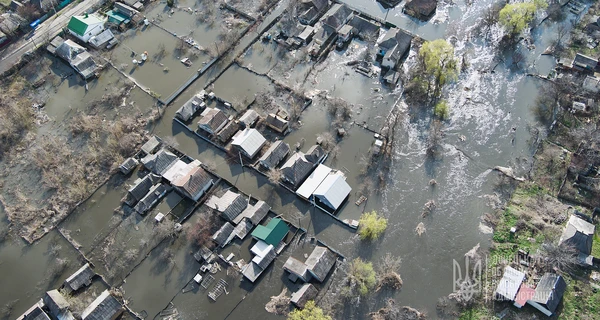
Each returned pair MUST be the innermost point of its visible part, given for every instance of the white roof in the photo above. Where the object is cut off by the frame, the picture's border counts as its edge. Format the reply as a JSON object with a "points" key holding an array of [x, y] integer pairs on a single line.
{"points": [[261, 248], [510, 283], [334, 189], [249, 140], [313, 181], [178, 169]]}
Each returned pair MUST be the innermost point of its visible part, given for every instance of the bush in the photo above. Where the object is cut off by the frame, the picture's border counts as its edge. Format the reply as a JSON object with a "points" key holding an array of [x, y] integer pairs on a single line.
{"points": [[442, 110], [310, 312], [360, 279], [371, 225], [170, 3]]}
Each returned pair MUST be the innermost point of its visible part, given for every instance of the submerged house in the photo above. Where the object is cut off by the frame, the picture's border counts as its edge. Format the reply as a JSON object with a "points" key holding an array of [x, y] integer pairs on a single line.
{"points": [[85, 27], [548, 293], [35, 313], [324, 36], [194, 184], [363, 27], [254, 213], [229, 205], [313, 181], [104, 307], [160, 162], [274, 155], [394, 45], [309, 11], [57, 305], [128, 165], [337, 16], [306, 293], [296, 169], [153, 196], [140, 188], [81, 278], [249, 142], [317, 265], [230, 129], [249, 118], [152, 145], [420, 9], [212, 120], [190, 107], [584, 63], [224, 235], [273, 233], [579, 234], [264, 256], [277, 123], [315, 154], [332, 191], [76, 56]]}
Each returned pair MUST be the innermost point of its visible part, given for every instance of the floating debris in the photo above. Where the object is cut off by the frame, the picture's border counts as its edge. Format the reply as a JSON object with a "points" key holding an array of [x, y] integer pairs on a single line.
{"points": [[420, 229]]}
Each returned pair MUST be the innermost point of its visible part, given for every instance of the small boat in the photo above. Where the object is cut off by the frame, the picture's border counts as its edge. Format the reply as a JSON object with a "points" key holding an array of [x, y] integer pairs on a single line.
{"points": [[144, 55], [186, 61]]}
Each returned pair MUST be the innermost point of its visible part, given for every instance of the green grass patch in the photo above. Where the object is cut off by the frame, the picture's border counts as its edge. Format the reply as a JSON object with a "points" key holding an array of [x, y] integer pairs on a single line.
{"points": [[582, 304], [477, 312], [596, 245]]}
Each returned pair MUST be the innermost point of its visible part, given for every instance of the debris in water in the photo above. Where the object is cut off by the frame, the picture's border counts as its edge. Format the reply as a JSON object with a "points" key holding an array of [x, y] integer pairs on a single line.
{"points": [[432, 182], [428, 208], [279, 304], [508, 172], [420, 229]]}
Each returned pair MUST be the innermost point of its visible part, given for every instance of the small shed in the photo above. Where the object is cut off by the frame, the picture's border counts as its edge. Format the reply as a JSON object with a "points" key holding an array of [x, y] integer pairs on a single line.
{"points": [[579, 234], [297, 269], [273, 233], [229, 205], [320, 262], [274, 155], [105, 307], [152, 145], [306, 293], [249, 118], [548, 293], [509, 285], [333, 190], [81, 278], [277, 123], [128, 165], [249, 142], [212, 120]]}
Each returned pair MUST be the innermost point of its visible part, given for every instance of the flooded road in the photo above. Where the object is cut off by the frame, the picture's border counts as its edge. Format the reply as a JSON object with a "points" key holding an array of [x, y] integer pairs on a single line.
{"points": [[488, 126]]}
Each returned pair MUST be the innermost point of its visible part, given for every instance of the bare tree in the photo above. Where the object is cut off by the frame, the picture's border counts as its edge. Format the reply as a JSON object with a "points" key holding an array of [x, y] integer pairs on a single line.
{"points": [[557, 257], [387, 275], [274, 175]]}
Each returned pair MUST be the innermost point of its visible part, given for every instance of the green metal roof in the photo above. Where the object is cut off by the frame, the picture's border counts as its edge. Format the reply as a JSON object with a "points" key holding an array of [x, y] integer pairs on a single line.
{"points": [[272, 233], [79, 24], [116, 17]]}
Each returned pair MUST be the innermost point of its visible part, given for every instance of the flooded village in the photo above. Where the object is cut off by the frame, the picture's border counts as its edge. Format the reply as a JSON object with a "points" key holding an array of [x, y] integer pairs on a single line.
{"points": [[301, 159]]}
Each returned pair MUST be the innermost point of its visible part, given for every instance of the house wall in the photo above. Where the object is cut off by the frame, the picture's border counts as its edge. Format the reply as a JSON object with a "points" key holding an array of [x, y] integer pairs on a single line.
{"points": [[388, 63]]}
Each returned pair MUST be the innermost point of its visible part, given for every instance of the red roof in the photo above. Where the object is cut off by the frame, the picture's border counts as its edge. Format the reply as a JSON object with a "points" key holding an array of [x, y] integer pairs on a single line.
{"points": [[525, 293]]}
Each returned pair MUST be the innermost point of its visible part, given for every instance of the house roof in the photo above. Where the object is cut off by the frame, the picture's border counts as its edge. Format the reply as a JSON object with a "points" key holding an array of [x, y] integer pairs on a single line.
{"points": [[318, 4], [510, 283], [276, 152], [296, 168], [224, 234], [276, 122], [125, 9], [176, 170], [105, 307], [265, 260], [306, 293], [230, 204], [272, 233], [323, 33], [36, 313], [550, 290], [334, 190], [252, 271], [525, 293], [261, 248], [297, 267], [585, 61], [396, 38], [142, 186], [190, 107], [422, 8], [250, 141], [363, 25], [243, 228], [249, 118], [128, 165], [56, 303], [102, 38], [194, 182], [79, 24], [151, 198], [306, 33], [151, 145], [579, 234], [254, 213], [320, 262], [230, 129], [337, 15], [212, 119], [313, 181], [82, 277], [159, 162], [315, 154]]}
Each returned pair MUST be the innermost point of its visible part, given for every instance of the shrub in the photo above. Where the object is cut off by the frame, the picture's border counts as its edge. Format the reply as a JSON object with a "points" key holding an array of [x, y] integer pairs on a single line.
{"points": [[310, 312], [360, 279], [170, 3], [371, 225], [442, 110]]}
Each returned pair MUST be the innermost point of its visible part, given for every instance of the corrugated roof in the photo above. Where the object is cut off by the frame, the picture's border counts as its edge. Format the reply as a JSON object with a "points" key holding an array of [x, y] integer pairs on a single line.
{"points": [[510, 283], [277, 123], [333, 190], [79, 24], [550, 290], [105, 307], [272, 233], [190, 107], [297, 267], [212, 119], [141, 187], [315, 154], [223, 235], [151, 145], [160, 162], [243, 228], [296, 169], [225, 134], [35, 314], [194, 183], [82, 277], [176, 170], [579, 234], [273, 156], [265, 260], [313, 181], [151, 198], [249, 141], [230, 205], [56, 303], [249, 118], [320, 262], [254, 213], [306, 293], [252, 271]]}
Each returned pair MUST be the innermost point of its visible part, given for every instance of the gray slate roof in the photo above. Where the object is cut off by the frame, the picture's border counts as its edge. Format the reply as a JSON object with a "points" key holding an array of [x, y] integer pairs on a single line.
{"points": [[160, 162], [229, 205], [249, 118], [141, 187], [36, 314], [190, 107], [77, 57], [252, 271], [297, 267], [337, 16], [550, 290], [273, 156], [224, 234], [151, 198], [363, 26], [81, 278], [243, 228], [296, 169], [56, 303], [315, 154], [579, 234], [320, 262], [128, 165], [585, 61], [152, 145], [277, 123], [225, 134], [254, 213], [420, 8], [105, 307], [267, 259], [306, 293]]}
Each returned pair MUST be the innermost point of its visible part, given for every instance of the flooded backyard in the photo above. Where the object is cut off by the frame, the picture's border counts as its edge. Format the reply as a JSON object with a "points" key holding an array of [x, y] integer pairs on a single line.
{"points": [[490, 124]]}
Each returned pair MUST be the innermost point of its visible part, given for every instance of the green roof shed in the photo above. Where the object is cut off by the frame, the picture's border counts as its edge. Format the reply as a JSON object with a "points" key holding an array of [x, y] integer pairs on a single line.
{"points": [[272, 233]]}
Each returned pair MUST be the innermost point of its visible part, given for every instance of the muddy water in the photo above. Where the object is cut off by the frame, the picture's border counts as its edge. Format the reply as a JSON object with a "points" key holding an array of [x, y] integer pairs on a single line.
{"points": [[479, 135]]}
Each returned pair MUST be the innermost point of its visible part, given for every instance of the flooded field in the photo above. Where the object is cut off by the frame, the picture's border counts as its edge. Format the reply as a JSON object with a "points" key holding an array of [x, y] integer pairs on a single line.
{"points": [[490, 124]]}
